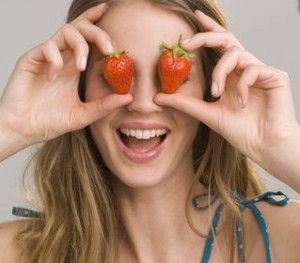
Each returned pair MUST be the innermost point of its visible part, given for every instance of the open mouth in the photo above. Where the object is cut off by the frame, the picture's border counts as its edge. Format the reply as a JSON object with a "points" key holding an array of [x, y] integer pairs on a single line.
{"points": [[142, 140]]}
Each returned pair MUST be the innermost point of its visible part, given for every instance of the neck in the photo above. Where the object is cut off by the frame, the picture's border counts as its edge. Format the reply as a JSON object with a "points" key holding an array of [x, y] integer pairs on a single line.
{"points": [[154, 221]]}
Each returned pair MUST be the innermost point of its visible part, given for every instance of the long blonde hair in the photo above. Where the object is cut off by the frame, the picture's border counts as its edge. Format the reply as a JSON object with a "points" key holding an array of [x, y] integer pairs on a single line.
{"points": [[79, 221]]}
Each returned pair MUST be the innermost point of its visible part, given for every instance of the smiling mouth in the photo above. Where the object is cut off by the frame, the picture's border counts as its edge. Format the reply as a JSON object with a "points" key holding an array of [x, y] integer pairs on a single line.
{"points": [[142, 140]]}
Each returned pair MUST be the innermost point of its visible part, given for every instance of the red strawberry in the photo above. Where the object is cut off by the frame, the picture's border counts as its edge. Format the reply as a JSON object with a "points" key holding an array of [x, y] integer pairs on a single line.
{"points": [[174, 67], [118, 71]]}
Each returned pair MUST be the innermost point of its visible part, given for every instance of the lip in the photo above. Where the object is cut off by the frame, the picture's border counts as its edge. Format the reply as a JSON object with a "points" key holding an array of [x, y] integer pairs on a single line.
{"points": [[138, 157]]}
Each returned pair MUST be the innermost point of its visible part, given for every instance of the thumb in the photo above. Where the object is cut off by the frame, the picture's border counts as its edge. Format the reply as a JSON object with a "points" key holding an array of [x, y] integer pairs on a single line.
{"points": [[205, 112], [95, 110]]}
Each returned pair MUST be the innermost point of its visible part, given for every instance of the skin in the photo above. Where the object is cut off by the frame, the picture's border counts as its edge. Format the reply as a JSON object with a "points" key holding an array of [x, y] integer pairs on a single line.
{"points": [[154, 186], [249, 90], [182, 127]]}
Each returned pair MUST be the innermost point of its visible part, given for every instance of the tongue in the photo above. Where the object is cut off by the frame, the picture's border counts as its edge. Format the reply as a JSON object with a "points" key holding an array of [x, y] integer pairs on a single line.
{"points": [[142, 145]]}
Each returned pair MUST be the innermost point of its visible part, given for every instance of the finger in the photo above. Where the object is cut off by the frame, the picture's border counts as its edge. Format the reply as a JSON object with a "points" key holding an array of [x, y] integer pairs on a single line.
{"points": [[215, 37], [49, 53], [53, 57], [222, 40], [84, 23], [95, 110], [93, 14], [267, 77], [69, 37], [199, 109], [96, 35], [208, 23], [235, 59]]}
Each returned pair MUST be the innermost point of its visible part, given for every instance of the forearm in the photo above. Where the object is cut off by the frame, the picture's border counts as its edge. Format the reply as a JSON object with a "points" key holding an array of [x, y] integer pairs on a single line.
{"points": [[282, 160]]}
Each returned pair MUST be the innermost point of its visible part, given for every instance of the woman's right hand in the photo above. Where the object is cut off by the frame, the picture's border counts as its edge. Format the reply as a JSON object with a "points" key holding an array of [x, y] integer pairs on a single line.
{"points": [[41, 101]]}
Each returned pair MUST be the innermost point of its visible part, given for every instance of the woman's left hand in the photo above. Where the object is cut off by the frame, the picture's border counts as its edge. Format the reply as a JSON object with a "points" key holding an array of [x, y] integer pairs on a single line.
{"points": [[255, 108]]}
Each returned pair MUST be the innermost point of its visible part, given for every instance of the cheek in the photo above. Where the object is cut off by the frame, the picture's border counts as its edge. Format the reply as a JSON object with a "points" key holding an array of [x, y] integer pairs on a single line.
{"points": [[101, 135], [197, 90], [198, 86], [187, 125], [194, 86], [96, 88]]}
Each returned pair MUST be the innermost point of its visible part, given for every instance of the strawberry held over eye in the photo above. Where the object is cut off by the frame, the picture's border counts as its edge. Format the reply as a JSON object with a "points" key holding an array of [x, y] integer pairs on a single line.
{"points": [[118, 71], [174, 67]]}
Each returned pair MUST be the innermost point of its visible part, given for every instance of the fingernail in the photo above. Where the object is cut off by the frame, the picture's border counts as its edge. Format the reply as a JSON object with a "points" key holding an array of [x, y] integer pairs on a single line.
{"points": [[214, 89], [82, 63], [241, 102], [109, 47], [187, 41]]}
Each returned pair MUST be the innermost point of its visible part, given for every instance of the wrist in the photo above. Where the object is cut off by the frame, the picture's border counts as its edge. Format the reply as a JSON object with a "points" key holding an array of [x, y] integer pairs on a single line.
{"points": [[280, 158], [11, 138]]}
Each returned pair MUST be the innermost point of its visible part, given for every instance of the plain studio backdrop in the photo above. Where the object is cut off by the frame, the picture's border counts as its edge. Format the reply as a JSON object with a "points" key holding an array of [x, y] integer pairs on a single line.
{"points": [[269, 29]]}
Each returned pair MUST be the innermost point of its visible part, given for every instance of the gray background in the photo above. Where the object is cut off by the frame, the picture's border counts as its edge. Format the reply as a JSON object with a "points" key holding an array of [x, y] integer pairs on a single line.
{"points": [[270, 29]]}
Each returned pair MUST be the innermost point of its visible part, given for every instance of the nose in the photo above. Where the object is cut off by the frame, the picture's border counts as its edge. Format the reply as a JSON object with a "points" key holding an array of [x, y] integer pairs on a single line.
{"points": [[143, 91]]}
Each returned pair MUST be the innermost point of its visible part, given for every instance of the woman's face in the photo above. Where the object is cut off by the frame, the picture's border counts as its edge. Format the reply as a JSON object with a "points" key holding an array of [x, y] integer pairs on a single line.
{"points": [[140, 28]]}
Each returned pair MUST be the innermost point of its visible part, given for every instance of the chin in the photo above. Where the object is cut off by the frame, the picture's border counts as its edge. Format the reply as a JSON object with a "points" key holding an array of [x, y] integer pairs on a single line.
{"points": [[140, 177]]}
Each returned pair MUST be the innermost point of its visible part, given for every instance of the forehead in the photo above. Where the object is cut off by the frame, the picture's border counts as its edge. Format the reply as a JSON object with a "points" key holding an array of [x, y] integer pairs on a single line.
{"points": [[142, 26]]}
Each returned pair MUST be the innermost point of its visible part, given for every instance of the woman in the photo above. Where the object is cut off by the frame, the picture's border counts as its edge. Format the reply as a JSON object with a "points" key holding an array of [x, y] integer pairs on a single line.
{"points": [[105, 195]]}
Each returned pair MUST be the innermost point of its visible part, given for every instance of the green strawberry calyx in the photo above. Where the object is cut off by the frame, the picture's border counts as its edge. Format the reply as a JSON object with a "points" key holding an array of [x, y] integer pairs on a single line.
{"points": [[177, 50], [115, 53]]}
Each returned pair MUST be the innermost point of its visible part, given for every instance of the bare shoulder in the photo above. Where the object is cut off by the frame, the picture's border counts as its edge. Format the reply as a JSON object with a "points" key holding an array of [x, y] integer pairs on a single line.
{"points": [[284, 230], [9, 250]]}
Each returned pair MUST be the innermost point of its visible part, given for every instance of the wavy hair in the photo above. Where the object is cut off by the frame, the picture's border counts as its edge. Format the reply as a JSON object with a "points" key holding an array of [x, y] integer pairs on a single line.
{"points": [[79, 220]]}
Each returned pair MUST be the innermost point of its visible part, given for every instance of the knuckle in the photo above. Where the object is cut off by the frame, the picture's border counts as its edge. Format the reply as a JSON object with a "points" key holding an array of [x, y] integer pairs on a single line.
{"points": [[231, 40], [22, 59], [229, 36], [234, 50], [80, 25], [48, 44], [284, 77], [64, 31], [67, 27], [251, 68]]}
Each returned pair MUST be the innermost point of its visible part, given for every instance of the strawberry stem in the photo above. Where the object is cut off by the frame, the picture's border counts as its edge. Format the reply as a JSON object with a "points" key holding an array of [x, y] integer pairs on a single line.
{"points": [[115, 53], [178, 50], [179, 40]]}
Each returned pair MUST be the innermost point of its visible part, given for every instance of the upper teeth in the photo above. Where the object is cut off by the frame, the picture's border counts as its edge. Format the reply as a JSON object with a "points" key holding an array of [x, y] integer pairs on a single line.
{"points": [[143, 134]]}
